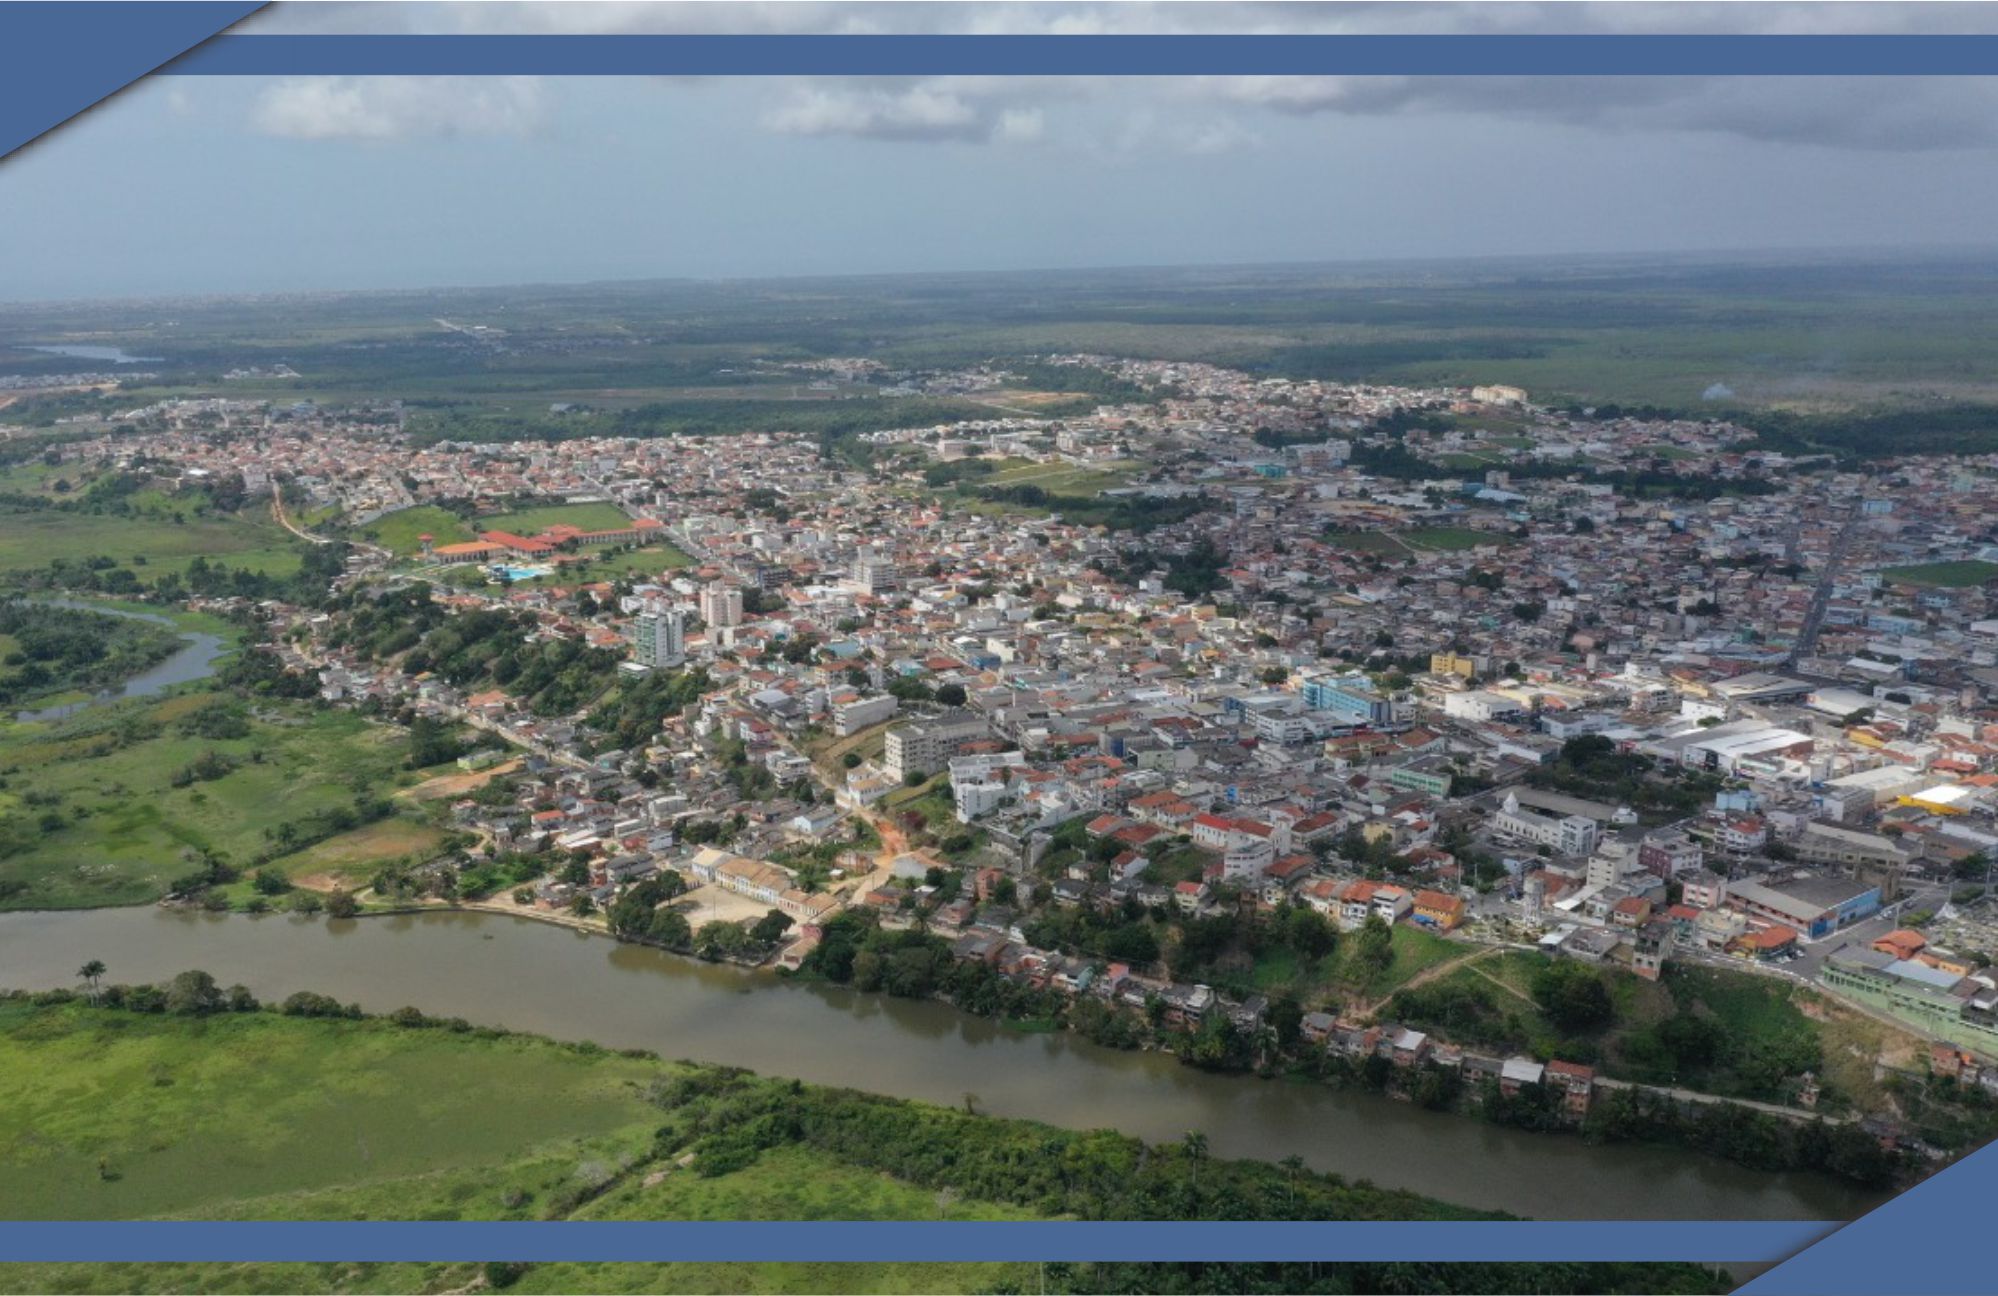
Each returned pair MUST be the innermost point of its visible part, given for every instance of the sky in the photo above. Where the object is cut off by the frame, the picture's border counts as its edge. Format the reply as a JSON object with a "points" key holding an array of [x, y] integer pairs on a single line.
{"points": [[192, 185]]}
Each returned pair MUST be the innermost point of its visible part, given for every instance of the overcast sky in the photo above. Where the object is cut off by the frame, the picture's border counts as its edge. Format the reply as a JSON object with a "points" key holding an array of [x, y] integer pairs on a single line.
{"points": [[246, 184]]}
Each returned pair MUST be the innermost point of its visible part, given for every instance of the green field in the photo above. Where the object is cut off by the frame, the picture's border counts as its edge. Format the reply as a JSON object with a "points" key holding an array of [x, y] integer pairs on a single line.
{"points": [[1072, 480], [1451, 539], [1961, 574], [197, 1117], [530, 521], [252, 1115], [595, 565], [98, 821], [1338, 979], [398, 531], [152, 546], [349, 859], [256, 1116]]}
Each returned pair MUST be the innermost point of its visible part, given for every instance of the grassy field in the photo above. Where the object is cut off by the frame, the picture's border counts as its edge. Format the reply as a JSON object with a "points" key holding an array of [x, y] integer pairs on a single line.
{"points": [[651, 561], [30, 538], [119, 1114], [398, 531], [349, 859], [1945, 575], [1451, 539], [587, 517], [110, 827], [198, 1117], [1417, 539], [256, 1116], [1338, 977], [1067, 479]]}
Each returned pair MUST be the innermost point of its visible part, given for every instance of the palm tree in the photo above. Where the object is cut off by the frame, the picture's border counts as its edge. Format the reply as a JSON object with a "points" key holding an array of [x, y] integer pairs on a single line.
{"points": [[1195, 1144], [93, 972], [1292, 1165]]}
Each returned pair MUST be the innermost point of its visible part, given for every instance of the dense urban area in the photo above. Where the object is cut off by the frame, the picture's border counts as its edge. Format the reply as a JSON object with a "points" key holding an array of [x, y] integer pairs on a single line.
{"points": [[1619, 770]]}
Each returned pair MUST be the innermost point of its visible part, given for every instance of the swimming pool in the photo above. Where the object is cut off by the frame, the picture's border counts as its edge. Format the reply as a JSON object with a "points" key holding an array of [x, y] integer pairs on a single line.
{"points": [[510, 572]]}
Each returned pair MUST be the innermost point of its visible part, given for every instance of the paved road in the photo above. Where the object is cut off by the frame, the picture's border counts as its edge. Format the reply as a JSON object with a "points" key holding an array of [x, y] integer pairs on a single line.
{"points": [[1695, 1096], [1863, 934], [1807, 637]]}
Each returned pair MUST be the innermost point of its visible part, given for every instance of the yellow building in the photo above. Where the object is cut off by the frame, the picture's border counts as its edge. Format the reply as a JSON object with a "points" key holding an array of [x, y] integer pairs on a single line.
{"points": [[1452, 664]]}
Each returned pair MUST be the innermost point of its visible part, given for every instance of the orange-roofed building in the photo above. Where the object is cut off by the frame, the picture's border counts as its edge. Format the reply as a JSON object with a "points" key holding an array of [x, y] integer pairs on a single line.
{"points": [[1444, 911], [1902, 943]]}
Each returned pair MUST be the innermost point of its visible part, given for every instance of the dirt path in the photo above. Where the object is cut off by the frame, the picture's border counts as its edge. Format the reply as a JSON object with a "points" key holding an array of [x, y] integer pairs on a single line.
{"points": [[456, 785], [1514, 991], [284, 520], [1427, 975]]}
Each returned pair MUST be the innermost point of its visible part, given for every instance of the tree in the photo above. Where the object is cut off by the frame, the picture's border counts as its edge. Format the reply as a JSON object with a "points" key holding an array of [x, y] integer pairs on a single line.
{"points": [[92, 972], [1307, 932], [1293, 1165], [1195, 1145], [1573, 997], [951, 695], [341, 904], [306, 902], [1286, 1018], [770, 928], [1373, 949], [193, 994]]}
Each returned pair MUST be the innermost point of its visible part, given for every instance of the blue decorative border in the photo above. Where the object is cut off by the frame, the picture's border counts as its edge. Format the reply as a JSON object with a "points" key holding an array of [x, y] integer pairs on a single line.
{"points": [[1306, 55], [57, 59]]}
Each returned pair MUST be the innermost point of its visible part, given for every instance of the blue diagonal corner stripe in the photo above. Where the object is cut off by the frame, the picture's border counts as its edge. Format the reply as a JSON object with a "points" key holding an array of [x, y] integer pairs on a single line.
{"points": [[1928, 1241], [58, 59]]}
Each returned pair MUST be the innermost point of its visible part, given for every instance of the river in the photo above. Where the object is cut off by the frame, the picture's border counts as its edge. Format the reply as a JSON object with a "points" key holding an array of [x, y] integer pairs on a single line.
{"points": [[80, 351], [194, 661], [523, 975]]}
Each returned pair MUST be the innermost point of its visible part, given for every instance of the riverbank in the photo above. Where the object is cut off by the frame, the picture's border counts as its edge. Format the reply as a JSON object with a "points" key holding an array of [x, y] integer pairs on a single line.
{"points": [[523, 974], [249, 1113]]}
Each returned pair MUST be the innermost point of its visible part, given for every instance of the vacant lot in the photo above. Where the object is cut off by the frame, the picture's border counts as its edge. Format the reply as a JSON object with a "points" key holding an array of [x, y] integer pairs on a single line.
{"points": [[1339, 979], [351, 858], [1068, 479], [151, 546], [106, 824]]}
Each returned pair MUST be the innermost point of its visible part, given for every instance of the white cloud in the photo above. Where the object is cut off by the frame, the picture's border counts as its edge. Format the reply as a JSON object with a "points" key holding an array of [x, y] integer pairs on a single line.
{"points": [[1021, 125], [383, 108], [1875, 114], [1898, 113], [964, 109], [918, 113]]}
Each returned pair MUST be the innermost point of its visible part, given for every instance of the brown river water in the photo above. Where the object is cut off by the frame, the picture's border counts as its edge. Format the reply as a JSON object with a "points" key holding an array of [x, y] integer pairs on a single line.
{"points": [[526, 976]]}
